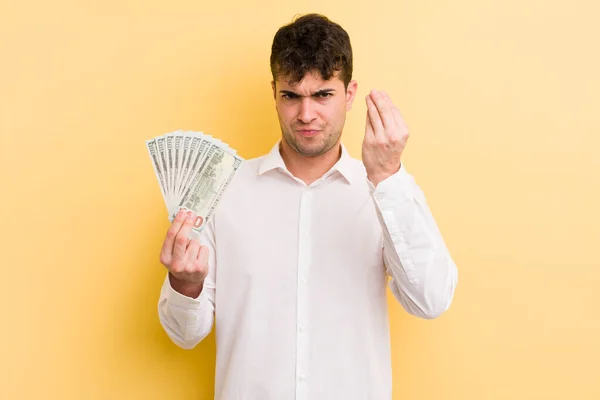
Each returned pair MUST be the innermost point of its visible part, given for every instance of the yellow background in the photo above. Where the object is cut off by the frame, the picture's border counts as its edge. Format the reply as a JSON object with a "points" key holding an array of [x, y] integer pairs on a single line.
{"points": [[502, 100]]}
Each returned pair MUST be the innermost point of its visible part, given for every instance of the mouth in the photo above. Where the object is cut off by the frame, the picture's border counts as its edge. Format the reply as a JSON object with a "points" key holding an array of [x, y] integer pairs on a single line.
{"points": [[308, 132]]}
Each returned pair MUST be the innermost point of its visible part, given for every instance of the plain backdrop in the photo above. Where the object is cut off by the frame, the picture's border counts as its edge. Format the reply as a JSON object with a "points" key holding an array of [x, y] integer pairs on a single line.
{"points": [[502, 101]]}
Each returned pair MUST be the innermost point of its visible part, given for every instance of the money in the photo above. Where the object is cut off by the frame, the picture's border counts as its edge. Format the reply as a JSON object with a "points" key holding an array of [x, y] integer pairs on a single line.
{"points": [[193, 171]]}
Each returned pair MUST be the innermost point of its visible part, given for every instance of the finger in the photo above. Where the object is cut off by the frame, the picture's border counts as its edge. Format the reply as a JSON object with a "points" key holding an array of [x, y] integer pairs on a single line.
{"points": [[191, 254], [384, 110], [399, 118], [395, 111], [401, 129], [392, 107], [167, 247], [203, 256], [378, 129], [183, 236], [400, 123], [369, 132]]}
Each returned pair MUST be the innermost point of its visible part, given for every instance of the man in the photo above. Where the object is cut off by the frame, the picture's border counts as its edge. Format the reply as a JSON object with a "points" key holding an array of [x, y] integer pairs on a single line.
{"points": [[294, 265]]}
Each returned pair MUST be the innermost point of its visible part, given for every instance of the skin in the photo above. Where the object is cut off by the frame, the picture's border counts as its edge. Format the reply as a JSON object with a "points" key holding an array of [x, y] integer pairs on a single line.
{"points": [[311, 115], [186, 260]]}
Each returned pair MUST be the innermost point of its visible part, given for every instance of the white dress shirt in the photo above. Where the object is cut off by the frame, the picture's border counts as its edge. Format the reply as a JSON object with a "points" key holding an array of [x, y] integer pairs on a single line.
{"points": [[297, 281]]}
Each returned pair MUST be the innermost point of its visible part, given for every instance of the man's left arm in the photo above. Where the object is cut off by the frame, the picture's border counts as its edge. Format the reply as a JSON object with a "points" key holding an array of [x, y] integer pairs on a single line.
{"points": [[423, 273]]}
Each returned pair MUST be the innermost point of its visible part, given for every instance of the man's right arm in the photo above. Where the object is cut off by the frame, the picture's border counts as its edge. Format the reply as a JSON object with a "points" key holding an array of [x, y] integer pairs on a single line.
{"points": [[186, 303]]}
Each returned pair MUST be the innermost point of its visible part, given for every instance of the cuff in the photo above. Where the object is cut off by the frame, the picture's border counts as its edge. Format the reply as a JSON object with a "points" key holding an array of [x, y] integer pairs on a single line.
{"points": [[393, 190], [179, 300]]}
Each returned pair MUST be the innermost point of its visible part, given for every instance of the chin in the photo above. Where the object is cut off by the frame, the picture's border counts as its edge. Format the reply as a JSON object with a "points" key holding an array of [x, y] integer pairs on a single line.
{"points": [[312, 149], [309, 146]]}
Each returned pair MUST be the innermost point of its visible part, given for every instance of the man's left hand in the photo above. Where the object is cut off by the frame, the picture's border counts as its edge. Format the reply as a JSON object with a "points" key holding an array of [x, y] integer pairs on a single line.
{"points": [[386, 135]]}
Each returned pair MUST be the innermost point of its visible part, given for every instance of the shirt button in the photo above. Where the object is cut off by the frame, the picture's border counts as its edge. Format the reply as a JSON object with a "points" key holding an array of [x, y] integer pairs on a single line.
{"points": [[402, 239], [303, 281], [302, 377], [301, 328]]}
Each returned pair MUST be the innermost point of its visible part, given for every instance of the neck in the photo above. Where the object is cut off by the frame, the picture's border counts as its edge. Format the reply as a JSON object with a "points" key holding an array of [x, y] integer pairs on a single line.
{"points": [[309, 169]]}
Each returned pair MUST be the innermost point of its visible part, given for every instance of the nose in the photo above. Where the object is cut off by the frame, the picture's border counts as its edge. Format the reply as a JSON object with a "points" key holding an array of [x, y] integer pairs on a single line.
{"points": [[307, 112]]}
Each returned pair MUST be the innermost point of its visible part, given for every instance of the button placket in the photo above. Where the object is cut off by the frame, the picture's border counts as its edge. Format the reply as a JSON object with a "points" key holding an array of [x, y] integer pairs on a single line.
{"points": [[304, 257]]}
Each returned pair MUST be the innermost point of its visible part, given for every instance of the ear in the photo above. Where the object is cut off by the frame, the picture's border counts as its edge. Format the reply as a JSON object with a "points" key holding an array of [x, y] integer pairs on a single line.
{"points": [[350, 94], [273, 87]]}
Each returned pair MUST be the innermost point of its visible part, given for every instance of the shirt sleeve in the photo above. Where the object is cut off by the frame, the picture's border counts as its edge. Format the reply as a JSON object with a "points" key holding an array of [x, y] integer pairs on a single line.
{"points": [[186, 320], [423, 274]]}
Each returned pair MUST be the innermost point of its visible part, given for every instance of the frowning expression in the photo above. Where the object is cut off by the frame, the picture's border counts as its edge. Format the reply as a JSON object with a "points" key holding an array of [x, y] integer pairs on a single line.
{"points": [[312, 112]]}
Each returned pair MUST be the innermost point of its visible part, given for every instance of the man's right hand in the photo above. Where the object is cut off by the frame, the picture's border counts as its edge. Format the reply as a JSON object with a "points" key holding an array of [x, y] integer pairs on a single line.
{"points": [[186, 260]]}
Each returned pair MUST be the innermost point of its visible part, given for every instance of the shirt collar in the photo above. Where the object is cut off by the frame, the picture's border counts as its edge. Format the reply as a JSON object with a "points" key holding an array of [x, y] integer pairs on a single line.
{"points": [[344, 165]]}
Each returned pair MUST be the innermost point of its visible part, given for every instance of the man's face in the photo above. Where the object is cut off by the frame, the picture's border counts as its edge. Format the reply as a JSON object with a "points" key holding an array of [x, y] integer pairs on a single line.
{"points": [[312, 113]]}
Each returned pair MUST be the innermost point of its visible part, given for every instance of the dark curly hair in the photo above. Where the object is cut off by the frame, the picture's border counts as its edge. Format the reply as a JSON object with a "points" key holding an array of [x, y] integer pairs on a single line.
{"points": [[311, 43]]}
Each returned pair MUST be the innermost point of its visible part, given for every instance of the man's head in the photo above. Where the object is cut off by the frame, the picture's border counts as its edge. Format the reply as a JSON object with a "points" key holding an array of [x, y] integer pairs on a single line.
{"points": [[311, 63]]}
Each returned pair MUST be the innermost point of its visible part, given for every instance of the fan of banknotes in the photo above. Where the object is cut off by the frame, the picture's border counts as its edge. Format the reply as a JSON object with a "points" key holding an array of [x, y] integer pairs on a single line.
{"points": [[193, 170]]}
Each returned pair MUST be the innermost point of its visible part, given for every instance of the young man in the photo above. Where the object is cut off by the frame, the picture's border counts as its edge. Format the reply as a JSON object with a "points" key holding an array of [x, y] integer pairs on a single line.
{"points": [[294, 265]]}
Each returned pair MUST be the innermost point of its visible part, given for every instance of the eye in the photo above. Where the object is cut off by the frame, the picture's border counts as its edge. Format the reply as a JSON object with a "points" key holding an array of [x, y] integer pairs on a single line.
{"points": [[324, 95], [289, 96]]}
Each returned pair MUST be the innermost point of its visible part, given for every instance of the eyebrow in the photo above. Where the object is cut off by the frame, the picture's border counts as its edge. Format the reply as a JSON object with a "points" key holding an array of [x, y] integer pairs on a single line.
{"points": [[318, 92]]}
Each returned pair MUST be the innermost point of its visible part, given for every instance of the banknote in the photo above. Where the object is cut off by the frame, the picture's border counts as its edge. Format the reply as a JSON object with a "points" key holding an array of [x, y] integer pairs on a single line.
{"points": [[193, 170], [157, 165], [203, 195]]}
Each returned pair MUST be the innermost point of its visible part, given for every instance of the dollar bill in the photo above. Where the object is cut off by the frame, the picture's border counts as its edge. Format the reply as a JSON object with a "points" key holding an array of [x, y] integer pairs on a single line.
{"points": [[162, 156], [177, 140], [169, 157], [157, 165], [193, 170], [197, 159], [206, 190], [185, 148]]}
